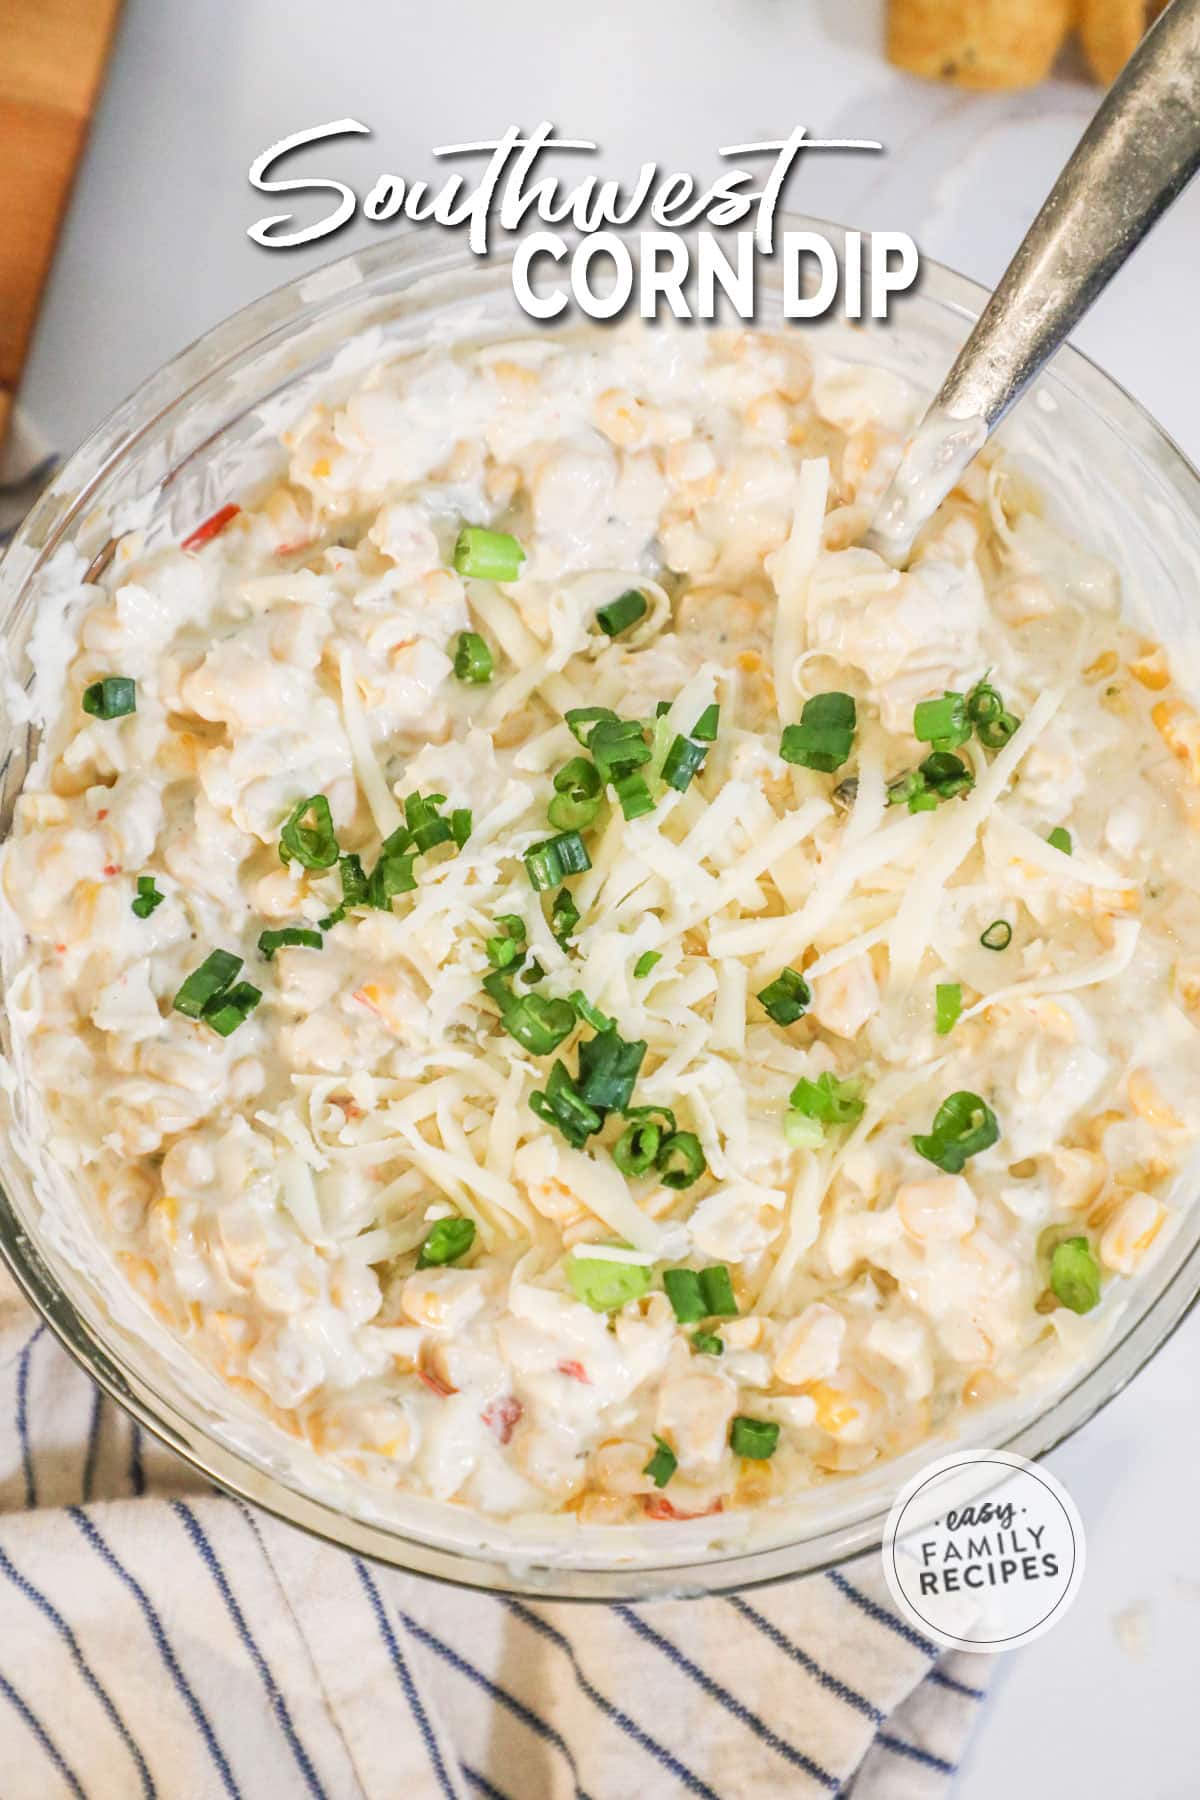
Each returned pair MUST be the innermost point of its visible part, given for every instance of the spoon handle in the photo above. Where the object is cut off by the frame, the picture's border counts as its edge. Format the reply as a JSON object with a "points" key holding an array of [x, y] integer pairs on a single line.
{"points": [[1140, 150]]}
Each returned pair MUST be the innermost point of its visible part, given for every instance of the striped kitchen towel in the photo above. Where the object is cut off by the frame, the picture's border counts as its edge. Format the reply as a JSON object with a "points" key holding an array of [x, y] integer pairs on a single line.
{"points": [[158, 1639]]}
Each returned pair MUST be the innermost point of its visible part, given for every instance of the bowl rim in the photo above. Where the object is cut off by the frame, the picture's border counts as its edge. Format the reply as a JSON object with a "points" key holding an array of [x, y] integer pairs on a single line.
{"points": [[49, 523]]}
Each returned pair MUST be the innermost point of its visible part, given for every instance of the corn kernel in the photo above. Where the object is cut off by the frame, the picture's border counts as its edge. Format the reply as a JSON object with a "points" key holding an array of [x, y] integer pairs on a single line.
{"points": [[1150, 667], [1179, 728], [1131, 1231], [1148, 1103]]}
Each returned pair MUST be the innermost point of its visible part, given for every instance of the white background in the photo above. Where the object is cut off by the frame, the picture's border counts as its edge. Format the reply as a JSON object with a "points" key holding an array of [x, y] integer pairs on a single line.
{"points": [[155, 252]]}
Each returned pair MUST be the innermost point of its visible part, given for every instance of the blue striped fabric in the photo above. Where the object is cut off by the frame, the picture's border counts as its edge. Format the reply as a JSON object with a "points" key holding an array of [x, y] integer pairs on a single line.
{"points": [[412, 1698], [275, 1698], [169, 1659], [28, 1717], [156, 1639], [661, 1755], [80, 1662]]}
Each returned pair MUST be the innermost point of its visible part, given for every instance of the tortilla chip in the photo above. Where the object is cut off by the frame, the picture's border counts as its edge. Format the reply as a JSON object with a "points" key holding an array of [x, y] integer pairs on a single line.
{"points": [[1111, 31], [977, 43]]}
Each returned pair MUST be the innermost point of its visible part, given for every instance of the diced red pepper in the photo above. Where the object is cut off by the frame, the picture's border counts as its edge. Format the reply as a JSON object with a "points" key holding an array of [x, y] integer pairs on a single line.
{"points": [[210, 527], [435, 1383], [657, 1506], [503, 1416], [575, 1370]]}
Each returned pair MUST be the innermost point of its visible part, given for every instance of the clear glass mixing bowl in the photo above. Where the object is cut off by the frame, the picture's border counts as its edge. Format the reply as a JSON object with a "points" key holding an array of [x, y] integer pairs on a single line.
{"points": [[203, 430]]}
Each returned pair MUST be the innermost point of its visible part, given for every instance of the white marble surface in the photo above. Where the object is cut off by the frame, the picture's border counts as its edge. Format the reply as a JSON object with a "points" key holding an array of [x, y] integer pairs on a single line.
{"points": [[155, 252]]}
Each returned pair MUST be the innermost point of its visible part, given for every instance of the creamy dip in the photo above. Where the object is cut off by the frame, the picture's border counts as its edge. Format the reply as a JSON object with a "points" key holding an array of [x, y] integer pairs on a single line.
{"points": [[577, 987]]}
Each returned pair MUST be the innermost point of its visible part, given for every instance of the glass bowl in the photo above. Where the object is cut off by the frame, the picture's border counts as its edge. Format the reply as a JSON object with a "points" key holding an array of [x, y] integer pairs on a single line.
{"points": [[203, 431]]}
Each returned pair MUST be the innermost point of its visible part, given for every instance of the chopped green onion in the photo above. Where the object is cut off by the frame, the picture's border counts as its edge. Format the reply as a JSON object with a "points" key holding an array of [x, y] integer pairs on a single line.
{"points": [[460, 825], [608, 1069], [755, 1438], [651, 1112], [660, 740], [111, 697], [1075, 1275], [998, 935], [995, 733], [707, 1343], [1060, 838], [300, 935], [662, 1464], [618, 746], [591, 1015], [605, 1285], [568, 814], [355, 885], [579, 778], [645, 962], [580, 720], [636, 1150], [681, 1160], [962, 1126], [829, 1099], [499, 985], [426, 827], [539, 1025], [392, 874], [621, 613], [686, 1295], [634, 795], [502, 953], [801, 1131], [507, 947], [906, 788], [949, 1005], [148, 897], [946, 775], [313, 846], [548, 862], [473, 660], [940, 777], [984, 703], [445, 1242], [487, 555], [787, 998], [682, 763], [994, 725], [533, 971], [943, 722], [563, 1106], [705, 728], [564, 916], [717, 1289], [208, 982], [825, 735], [231, 1008], [576, 794]]}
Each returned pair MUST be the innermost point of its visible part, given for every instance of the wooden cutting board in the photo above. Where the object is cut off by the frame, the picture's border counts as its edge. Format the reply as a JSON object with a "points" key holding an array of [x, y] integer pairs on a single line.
{"points": [[52, 57]]}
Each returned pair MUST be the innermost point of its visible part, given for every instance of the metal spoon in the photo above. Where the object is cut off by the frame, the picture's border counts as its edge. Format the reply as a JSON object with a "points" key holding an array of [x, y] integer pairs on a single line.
{"points": [[1139, 152]]}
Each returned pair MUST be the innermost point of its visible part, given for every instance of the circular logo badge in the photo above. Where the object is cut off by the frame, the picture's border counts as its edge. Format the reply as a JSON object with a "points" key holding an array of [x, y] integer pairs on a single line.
{"points": [[983, 1551]]}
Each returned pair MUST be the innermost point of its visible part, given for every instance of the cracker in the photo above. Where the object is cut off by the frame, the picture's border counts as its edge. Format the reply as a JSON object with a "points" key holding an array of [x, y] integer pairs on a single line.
{"points": [[977, 43], [1110, 31]]}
